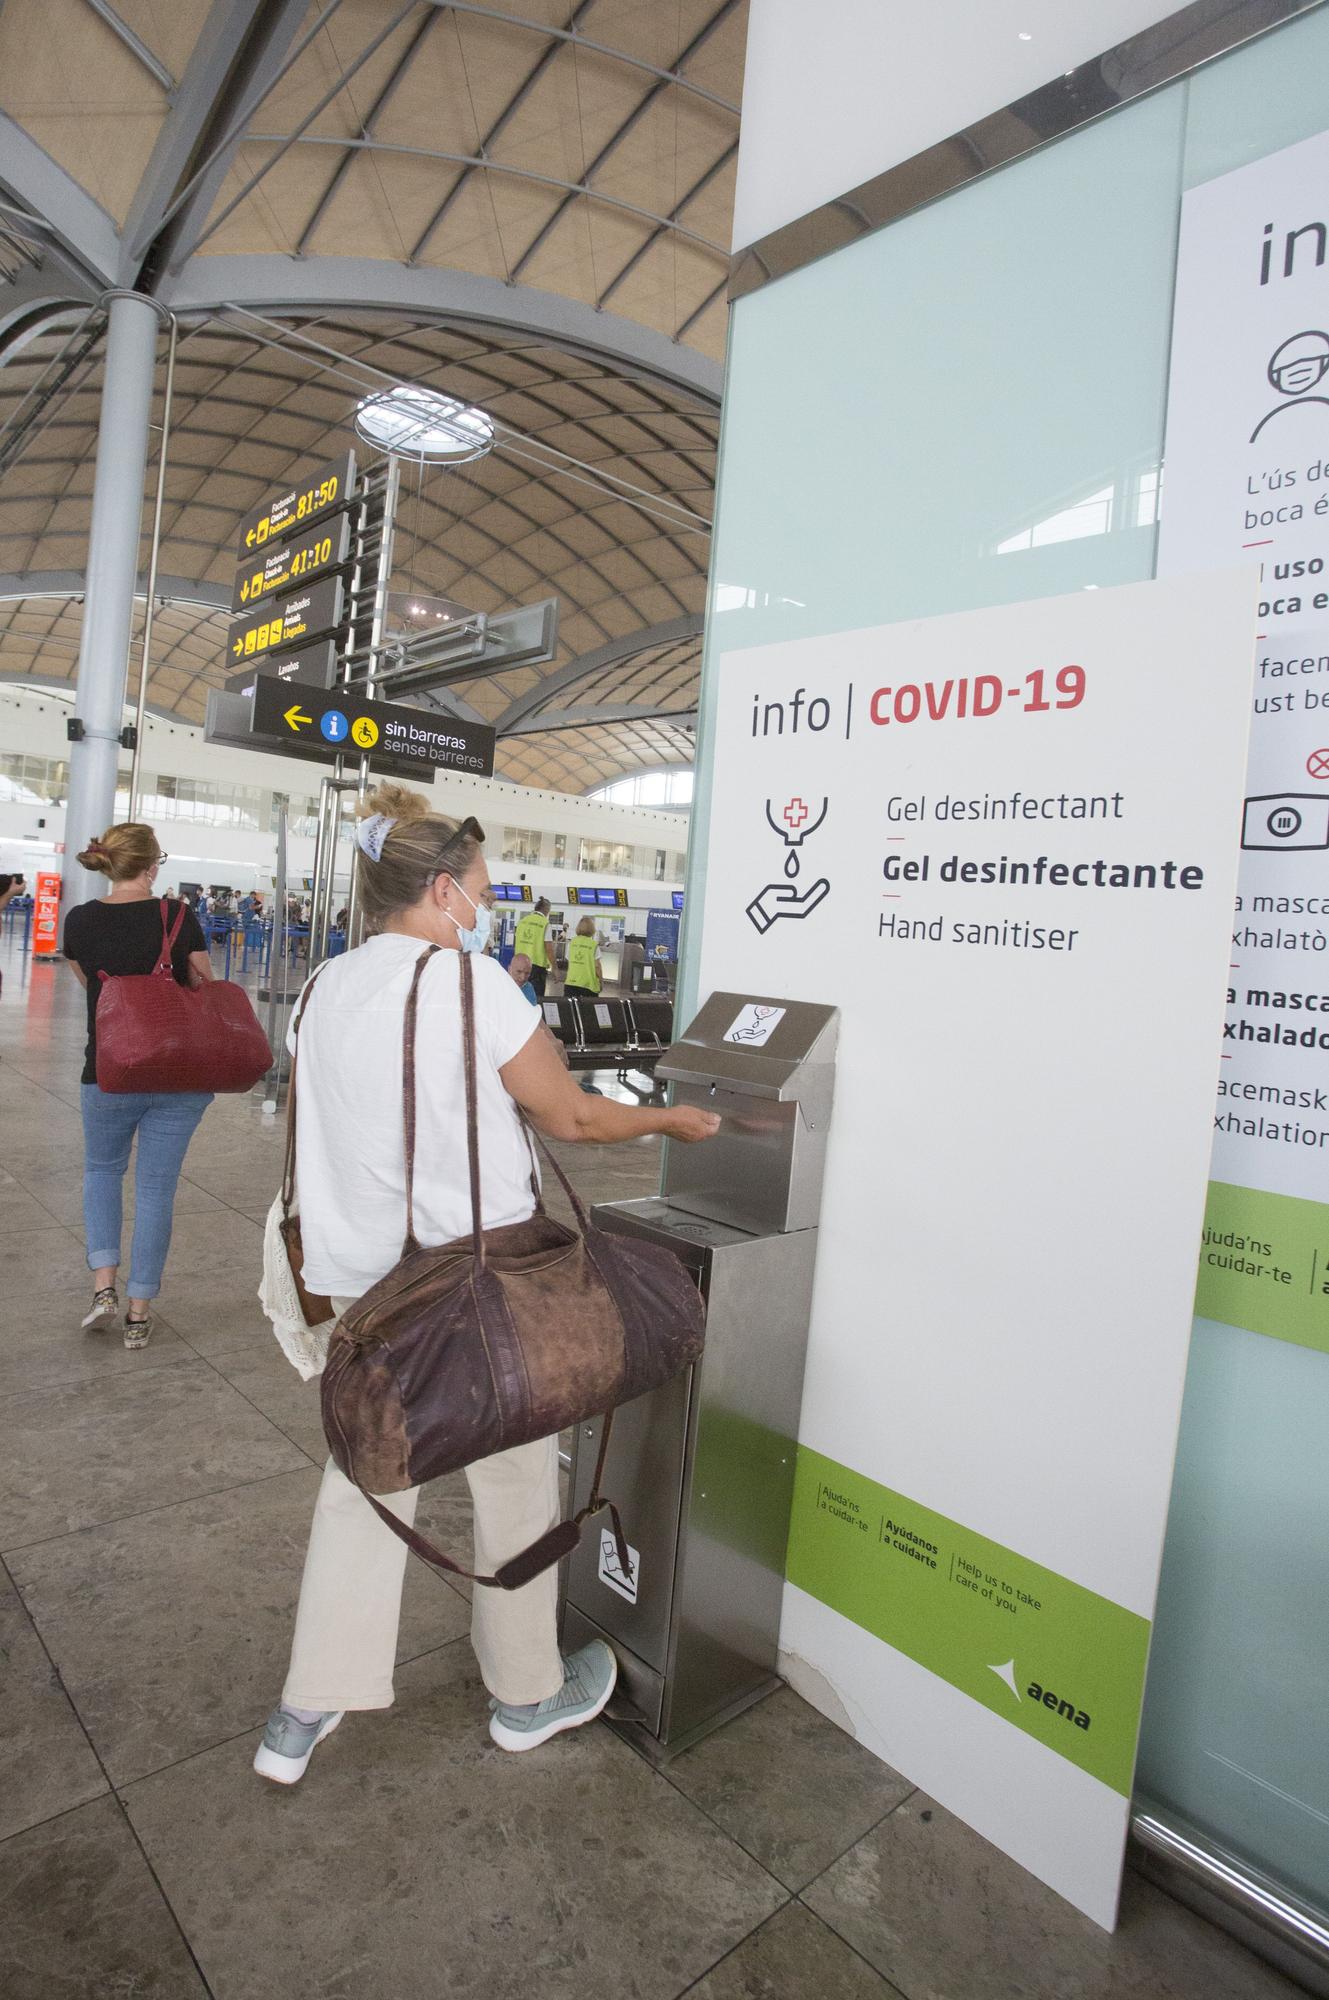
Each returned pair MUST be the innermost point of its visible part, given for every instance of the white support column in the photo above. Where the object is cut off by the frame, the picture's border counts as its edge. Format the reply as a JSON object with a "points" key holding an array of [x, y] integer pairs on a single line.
{"points": [[108, 605]]}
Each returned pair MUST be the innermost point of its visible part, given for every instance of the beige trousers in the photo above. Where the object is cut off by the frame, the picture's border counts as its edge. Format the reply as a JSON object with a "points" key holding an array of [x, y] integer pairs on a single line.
{"points": [[345, 1641]]}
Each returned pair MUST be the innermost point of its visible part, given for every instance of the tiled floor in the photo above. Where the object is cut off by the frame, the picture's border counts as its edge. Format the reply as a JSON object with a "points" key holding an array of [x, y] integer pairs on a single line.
{"points": [[153, 1512]]}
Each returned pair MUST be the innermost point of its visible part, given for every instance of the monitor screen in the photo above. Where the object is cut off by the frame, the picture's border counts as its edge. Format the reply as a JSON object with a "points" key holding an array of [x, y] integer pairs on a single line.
{"points": [[587, 898], [512, 892], [678, 899]]}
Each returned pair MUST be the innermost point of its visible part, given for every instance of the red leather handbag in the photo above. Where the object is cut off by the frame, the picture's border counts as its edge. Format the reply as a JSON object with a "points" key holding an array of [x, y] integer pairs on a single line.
{"points": [[154, 1034]]}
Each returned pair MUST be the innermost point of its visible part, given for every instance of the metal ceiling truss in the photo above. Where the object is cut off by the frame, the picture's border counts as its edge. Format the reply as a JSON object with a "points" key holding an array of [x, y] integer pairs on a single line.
{"points": [[573, 35], [82, 236], [287, 140], [139, 50], [558, 719], [673, 78], [643, 250], [71, 583], [451, 297], [665, 78], [574, 190], [376, 109], [24, 423], [242, 54], [613, 653]]}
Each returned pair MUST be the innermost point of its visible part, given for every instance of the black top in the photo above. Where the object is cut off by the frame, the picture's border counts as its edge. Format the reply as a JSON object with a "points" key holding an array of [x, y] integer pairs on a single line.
{"points": [[124, 937]]}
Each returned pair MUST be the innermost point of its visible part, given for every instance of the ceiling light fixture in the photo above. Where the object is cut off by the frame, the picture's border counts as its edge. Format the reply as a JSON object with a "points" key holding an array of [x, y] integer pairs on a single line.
{"points": [[424, 423]]}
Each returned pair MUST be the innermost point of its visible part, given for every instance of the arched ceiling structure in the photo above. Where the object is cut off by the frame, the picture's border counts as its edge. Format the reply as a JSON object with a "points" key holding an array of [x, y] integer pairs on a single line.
{"points": [[524, 203]]}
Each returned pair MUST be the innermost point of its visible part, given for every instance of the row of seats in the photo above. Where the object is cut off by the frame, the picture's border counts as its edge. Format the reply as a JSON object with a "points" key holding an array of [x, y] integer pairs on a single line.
{"points": [[611, 1033]]}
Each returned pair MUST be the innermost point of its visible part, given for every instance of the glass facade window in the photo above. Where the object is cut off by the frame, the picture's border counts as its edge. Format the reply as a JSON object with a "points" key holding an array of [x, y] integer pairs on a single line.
{"points": [[672, 788], [605, 857], [168, 799], [29, 780], [521, 844]]}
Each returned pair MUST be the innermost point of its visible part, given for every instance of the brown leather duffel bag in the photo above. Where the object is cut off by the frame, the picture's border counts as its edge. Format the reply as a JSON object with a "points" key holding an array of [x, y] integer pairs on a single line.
{"points": [[499, 1339]]}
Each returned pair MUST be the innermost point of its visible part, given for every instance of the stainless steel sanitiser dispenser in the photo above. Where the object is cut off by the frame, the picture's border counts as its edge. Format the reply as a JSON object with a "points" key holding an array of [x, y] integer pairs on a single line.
{"points": [[703, 1468]]}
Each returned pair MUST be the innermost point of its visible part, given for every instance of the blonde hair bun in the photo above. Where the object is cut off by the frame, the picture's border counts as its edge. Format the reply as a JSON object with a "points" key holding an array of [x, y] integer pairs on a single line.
{"points": [[122, 852], [394, 802]]}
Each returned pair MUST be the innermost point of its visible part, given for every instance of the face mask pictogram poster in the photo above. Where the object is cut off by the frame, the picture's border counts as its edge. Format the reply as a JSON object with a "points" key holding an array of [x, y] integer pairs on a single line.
{"points": [[1247, 478], [1004, 844]]}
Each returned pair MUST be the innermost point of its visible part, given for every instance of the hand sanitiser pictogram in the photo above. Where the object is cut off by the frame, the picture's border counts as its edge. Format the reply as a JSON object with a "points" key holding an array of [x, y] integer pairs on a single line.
{"points": [[793, 821]]}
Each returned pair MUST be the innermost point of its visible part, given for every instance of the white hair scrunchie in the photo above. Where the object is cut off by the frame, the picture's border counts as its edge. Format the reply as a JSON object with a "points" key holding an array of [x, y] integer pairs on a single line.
{"points": [[371, 834]]}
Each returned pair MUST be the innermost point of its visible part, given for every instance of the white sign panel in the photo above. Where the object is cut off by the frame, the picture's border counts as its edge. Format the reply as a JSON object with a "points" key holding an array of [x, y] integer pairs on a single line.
{"points": [[754, 1025], [1247, 478], [1003, 843], [611, 1572]]}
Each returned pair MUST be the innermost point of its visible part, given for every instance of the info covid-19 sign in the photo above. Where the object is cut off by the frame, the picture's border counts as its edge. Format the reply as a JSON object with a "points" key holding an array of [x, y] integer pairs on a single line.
{"points": [[1247, 479], [1004, 843]]}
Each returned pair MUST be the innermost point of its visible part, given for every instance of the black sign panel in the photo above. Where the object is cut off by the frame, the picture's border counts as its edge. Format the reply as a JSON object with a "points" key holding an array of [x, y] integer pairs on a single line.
{"points": [[291, 564], [228, 721], [312, 666], [296, 505], [598, 899], [287, 623], [294, 717]]}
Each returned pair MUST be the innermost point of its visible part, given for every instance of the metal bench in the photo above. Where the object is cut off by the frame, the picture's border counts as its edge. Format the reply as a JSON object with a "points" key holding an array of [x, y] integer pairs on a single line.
{"points": [[626, 1036]]}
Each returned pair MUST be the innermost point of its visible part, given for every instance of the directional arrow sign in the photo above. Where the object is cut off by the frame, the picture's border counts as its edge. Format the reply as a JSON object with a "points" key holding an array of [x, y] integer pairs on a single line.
{"points": [[341, 719], [291, 564], [285, 624], [295, 506]]}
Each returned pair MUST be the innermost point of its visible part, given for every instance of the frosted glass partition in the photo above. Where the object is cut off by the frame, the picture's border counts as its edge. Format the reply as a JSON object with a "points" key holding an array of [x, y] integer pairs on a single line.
{"points": [[964, 409]]}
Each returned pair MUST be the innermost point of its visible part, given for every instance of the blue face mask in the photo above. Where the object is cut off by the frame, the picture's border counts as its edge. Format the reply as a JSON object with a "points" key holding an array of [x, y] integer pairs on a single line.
{"points": [[477, 937]]}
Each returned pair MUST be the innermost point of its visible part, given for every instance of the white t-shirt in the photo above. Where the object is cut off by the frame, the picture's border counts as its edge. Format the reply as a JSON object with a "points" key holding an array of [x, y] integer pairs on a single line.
{"points": [[350, 1143]]}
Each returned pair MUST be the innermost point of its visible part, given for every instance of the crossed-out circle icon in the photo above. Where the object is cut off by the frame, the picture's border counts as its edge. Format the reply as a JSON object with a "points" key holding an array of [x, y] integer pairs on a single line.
{"points": [[1318, 763]]}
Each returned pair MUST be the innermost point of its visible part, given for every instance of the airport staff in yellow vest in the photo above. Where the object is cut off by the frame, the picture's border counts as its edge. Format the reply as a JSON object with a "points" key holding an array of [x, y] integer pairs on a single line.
{"points": [[531, 938], [584, 971]]}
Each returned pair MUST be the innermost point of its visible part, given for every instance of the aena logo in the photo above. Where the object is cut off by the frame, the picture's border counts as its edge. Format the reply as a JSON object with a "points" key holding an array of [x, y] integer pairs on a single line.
{"points": [[1046, 1697]]}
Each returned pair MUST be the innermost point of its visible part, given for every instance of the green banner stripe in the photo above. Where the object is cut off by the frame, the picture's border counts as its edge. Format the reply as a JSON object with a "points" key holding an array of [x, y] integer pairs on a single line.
{"points": [[1045, 1654], [1264, 1264]]}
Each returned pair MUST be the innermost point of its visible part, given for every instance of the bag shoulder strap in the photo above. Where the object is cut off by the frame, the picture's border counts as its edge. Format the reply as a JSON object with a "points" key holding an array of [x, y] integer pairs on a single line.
{"points": [[288, 1170], [472, 1126], [170, 932], [539, 1555], [411, 1241]]}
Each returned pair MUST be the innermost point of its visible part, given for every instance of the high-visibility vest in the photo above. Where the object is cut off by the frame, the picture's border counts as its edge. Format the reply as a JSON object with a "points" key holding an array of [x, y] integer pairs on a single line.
{"points": [[530, 937], [581, 962]]}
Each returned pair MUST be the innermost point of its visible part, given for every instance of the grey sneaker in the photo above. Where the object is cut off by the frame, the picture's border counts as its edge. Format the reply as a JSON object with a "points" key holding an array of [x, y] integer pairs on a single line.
{"points": [[138, 1332], [105, 1306], [288, 1745], [588, 1682]]}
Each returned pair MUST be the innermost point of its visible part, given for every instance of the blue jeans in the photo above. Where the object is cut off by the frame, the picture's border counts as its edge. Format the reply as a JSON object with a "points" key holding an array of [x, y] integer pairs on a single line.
{"points": [[165, 1122]]}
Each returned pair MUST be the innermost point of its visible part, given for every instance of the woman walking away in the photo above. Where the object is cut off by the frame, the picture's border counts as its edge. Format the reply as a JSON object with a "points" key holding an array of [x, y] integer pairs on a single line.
{"points": [[123, 934], [423, 881]]}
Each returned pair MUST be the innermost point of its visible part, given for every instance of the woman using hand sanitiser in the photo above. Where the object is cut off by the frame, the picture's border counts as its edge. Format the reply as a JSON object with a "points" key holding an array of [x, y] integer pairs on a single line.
{"points": [[423, 880], [122, 934]]}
